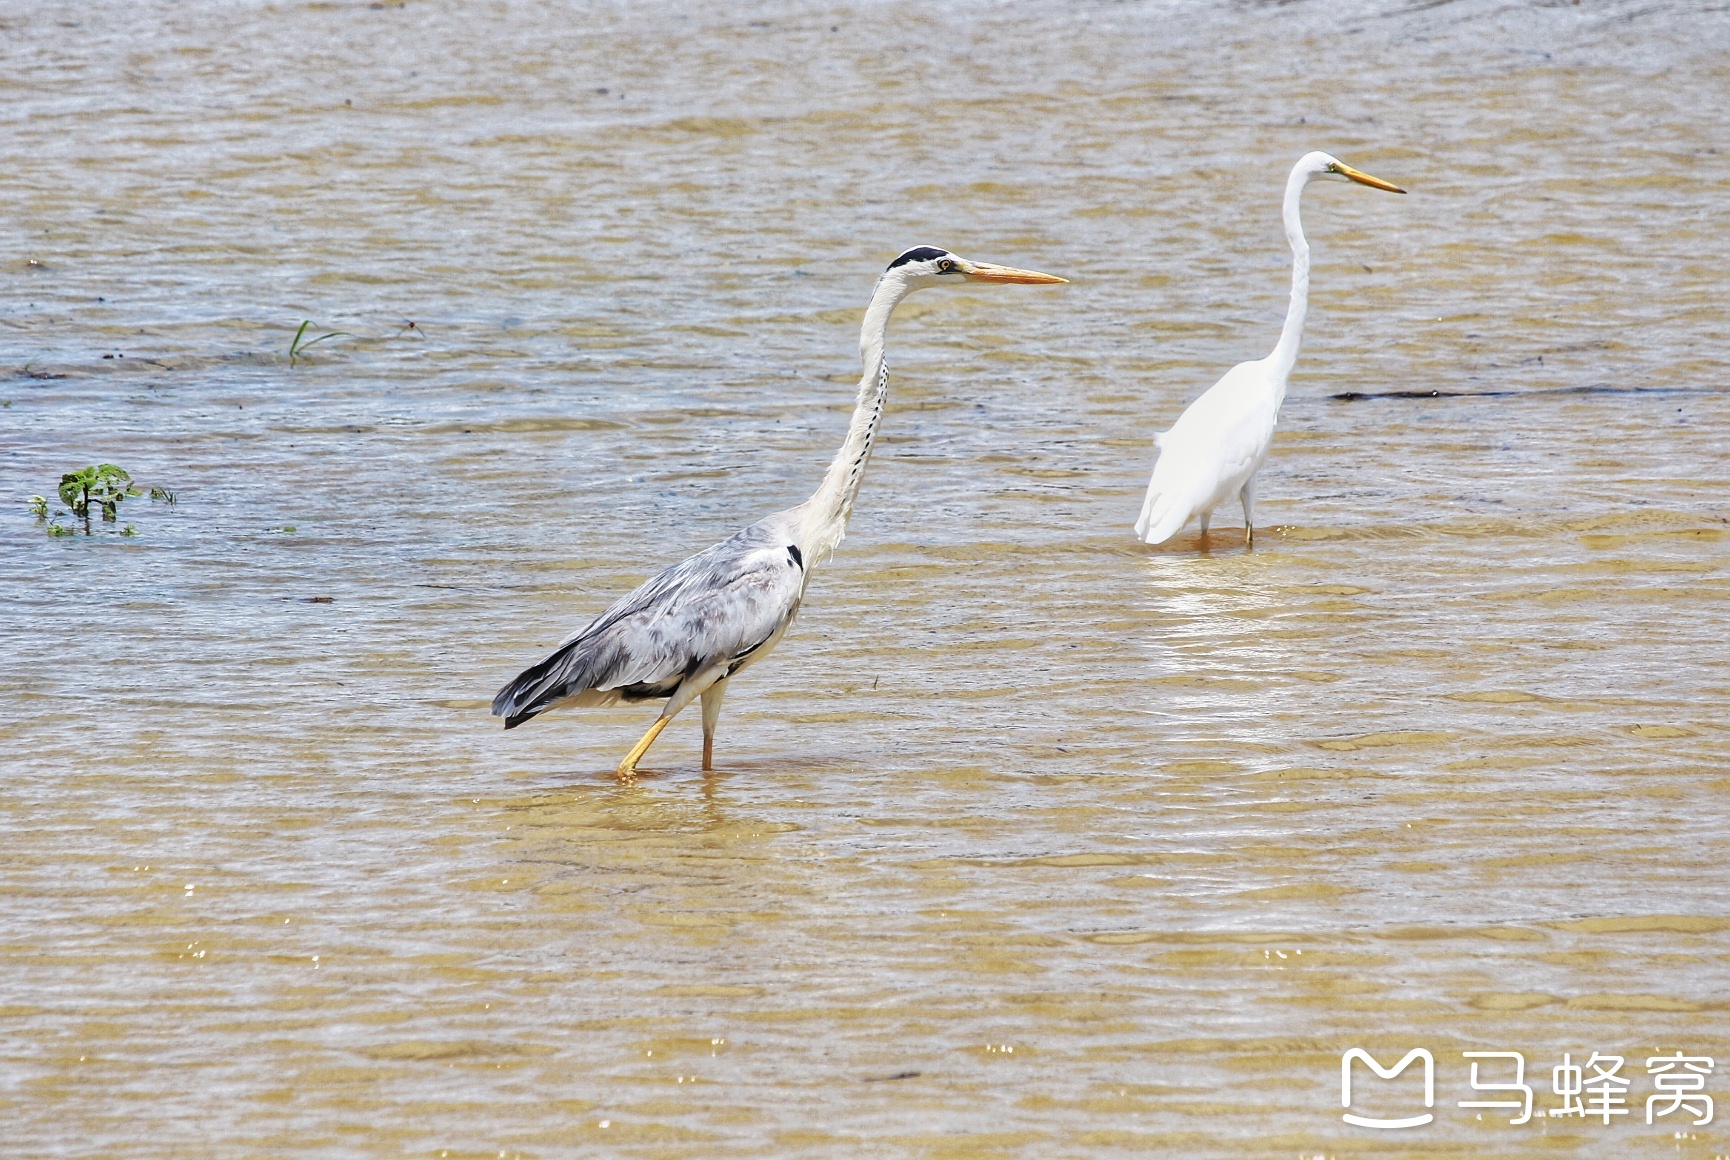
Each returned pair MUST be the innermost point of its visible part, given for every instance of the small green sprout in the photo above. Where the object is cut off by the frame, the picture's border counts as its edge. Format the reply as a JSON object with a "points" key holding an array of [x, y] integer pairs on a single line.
{"points": [[298, 346], [49, 523]]}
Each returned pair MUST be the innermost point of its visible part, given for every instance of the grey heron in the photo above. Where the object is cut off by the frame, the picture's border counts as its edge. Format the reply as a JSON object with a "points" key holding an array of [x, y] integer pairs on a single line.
{"points": [[1220, 441], [687, 631]]}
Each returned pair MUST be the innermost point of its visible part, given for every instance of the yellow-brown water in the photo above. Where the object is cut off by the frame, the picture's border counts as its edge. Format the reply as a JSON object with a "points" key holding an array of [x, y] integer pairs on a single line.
{"points": [[1019, 806]]}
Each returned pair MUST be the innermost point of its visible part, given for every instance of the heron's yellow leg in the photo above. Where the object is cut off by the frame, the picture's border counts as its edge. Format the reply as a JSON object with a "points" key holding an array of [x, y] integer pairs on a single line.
{"points": [[628, 767], [709, 752]]}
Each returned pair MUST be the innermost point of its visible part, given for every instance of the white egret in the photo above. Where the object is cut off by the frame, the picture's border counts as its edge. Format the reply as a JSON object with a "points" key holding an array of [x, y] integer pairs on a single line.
{"points": [[1219, 442], [687, 631]]}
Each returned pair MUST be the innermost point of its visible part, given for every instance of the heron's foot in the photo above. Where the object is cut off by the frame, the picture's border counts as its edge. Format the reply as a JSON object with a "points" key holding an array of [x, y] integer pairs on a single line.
{"points": [[628, 767]]}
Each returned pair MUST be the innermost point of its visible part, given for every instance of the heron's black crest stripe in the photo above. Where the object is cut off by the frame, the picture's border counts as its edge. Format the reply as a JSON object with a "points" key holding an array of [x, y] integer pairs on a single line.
{"points": [[797, 556], [919, 254]]}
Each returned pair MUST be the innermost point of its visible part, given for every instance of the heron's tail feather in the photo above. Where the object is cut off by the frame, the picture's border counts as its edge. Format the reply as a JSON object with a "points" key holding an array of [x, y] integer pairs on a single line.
{"points": [[1146, 514], [566, 671], [1163, 511], [1162, 515]]}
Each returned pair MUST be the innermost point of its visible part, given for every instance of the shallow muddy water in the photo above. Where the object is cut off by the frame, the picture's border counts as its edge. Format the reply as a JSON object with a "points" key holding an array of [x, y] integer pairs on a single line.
{"points": [[1029, 841]]}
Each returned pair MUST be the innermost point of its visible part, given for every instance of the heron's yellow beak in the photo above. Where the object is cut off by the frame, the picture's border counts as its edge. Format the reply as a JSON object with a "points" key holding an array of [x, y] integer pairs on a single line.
{"points": [[1362, 178], [986, 272]]}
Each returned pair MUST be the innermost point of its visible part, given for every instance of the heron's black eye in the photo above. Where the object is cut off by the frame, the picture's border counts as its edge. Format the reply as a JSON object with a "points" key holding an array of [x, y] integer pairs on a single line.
{"points": [[946, 267]]}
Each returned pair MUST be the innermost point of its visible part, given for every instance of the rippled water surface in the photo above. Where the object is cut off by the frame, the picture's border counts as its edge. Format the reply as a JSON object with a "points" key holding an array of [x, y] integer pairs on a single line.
{"points": [[1029, 841]]}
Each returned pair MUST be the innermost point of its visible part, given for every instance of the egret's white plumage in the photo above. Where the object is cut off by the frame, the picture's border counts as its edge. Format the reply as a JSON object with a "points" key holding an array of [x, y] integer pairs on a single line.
{"points": [[683, 633], [1218, 444]]}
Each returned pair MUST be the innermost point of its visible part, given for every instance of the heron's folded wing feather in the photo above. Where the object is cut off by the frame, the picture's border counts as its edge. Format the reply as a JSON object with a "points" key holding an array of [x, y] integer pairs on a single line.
{"points": [[722, 602], [1218, 435], [718, 612]]}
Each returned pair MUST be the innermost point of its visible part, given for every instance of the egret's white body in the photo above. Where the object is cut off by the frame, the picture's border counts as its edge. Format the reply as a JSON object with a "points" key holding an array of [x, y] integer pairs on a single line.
{"points": [[684, 632], [1220, 441]]}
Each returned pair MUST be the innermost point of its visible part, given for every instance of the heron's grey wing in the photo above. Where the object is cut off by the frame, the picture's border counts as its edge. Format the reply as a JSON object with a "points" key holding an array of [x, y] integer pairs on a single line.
{"points": [[721, 609], [720, 605]]}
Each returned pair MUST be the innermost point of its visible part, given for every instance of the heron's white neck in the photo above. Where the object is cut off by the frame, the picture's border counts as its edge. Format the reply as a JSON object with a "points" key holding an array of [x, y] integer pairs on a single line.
{"points": [[1285, 353], [823, 517]]}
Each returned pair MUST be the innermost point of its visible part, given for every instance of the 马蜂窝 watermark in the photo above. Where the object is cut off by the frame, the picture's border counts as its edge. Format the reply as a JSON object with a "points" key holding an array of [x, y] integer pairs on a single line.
{"points": [[1599, 1087]]}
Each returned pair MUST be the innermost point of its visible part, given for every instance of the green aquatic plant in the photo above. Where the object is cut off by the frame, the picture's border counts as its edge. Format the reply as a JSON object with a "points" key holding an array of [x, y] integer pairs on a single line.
{"points": [[103, 486], [301, 342]]}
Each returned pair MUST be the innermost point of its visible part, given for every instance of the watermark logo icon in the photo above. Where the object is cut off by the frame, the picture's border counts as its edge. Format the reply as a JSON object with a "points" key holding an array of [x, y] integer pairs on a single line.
{"points": [[1369, 1060], [1596, 1089]]}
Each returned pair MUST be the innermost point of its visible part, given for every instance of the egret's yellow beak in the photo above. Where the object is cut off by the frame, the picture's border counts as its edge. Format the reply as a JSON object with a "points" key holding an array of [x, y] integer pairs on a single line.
{"points": [[1362, 178], [986, 272]]}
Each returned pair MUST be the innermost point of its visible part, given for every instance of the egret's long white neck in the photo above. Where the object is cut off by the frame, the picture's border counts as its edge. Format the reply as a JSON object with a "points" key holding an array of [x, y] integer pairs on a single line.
{"points": [[824, 515], [1285, 353]]}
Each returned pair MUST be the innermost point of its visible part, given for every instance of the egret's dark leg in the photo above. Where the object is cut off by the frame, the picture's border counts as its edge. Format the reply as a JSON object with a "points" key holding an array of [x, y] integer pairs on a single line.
{"points": [[1247, 496], [1206, 518], [712, 717], [628, 767]]}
